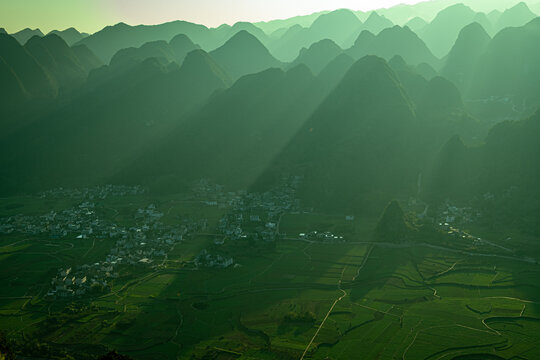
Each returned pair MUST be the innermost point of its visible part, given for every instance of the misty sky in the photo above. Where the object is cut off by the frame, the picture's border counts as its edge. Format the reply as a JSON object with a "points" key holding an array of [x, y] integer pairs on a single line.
{"points": [[92, 15]]}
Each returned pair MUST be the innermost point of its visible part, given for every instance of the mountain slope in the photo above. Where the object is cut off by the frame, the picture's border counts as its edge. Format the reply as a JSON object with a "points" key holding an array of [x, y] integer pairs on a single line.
{"points": [[318, 55], [36, 81], [462, 60], [235, 137], [107, 124], [517, 15], [393, 41], [111, 39], [24, 35], [359, 129], [70, 36], [58, 59], [244, 54], [175, 50], [443, 31], [509, 66]]}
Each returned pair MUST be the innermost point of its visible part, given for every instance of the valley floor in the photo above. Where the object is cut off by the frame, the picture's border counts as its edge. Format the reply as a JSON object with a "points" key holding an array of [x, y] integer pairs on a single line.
{"points": [[296, 298]]}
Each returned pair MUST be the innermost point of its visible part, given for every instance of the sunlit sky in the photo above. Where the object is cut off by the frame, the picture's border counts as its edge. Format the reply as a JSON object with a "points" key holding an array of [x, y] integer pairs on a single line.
{"points": [[92, 15]]}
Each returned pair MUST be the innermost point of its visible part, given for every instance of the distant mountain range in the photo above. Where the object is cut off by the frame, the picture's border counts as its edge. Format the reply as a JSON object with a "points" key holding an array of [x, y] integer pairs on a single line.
{"points": [[359, 104]]}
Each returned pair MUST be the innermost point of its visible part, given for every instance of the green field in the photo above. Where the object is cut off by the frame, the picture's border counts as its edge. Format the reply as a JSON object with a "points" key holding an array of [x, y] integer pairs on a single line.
{"points": [[409, 302]]}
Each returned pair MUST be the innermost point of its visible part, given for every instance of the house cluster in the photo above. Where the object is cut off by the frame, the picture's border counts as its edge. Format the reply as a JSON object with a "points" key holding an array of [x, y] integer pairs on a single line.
{"points": [[96, 192], [80, 221], [256, 215], [145, 244], [79, 282], [450, 214], [324, 237], [206, 259]]}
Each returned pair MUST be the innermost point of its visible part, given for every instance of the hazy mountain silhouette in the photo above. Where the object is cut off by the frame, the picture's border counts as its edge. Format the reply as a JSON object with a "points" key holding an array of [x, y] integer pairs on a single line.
{"points": [[416, 24], [509, 66], [375, 23], [26, 34], [462, 61], [223, 33], [244, 54], [517, 15], [111, 39], [318, 55], [302, 21], [338, 26], [175, 50], [441, 34], [70, 36], [59, 60], [3, 31], [393, 41]]}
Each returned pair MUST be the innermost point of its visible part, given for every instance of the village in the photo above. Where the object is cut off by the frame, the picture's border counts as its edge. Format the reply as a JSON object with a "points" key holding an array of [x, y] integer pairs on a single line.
{"points": [[148, 241]]}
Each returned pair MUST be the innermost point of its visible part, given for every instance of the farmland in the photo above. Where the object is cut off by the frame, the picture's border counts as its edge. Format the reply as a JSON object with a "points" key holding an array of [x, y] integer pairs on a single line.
{"points": [[291, 299]]}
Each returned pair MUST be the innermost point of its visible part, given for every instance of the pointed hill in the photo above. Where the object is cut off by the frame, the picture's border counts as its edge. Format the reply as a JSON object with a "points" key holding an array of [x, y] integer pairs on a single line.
{"points": [[24, 35], [109, 123], [414, 83], [58, 59], [509, 66], [375, 23], [70, 36], [483, 20], [244, 54], [288, 46], [337, 25], [181, 45], [393, 41], [223, 33], [462, 60], [318, 55], [303, 21], [367, 113], [416, 24], [494, 16], [506, 168], [236, 135], [3, 31], [517, 15], [334, 72], [393, 226], [441, 34], [35, 80]]}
